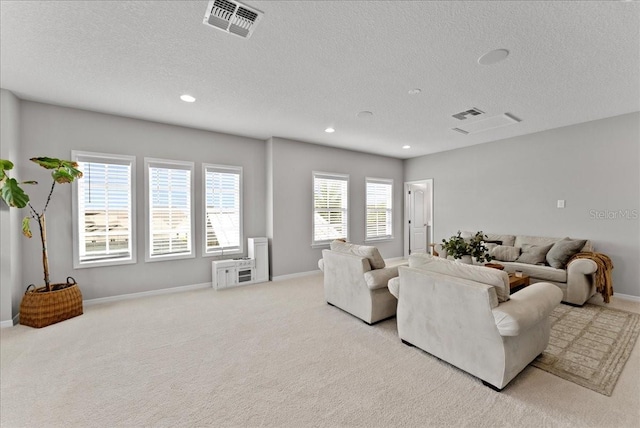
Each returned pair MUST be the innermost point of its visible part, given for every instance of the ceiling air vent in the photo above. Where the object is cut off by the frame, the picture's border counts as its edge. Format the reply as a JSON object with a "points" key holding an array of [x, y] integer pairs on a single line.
{"points": [[471, 112], [232, 17], [486, 124]]}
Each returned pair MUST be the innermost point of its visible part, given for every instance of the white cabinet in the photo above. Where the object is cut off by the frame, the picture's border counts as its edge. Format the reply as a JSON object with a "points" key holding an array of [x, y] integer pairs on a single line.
{"points": [[226, 277], [259, 250]]}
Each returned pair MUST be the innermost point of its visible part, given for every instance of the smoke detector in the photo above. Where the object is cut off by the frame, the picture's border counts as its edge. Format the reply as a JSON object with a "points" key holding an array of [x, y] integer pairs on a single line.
{"points": [[232, 17]]}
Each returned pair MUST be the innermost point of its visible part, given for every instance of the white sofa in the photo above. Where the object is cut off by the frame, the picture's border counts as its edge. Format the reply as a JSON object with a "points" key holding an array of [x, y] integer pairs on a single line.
{"points": [[356, 279], [452, 311], [576, 280]]}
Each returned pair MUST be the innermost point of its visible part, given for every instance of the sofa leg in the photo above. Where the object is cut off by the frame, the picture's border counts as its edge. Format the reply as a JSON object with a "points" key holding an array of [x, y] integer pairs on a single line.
{"points": [[407, 343], [575, 305], [495, 388]]}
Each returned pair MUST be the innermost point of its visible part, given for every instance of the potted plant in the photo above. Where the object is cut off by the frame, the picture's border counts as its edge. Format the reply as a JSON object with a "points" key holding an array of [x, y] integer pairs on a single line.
{"points": [[464, 249], [54, 302]]}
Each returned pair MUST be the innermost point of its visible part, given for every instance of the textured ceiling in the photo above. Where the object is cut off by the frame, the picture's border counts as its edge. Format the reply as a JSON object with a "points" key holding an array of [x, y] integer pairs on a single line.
{"points": [[314, 64]]}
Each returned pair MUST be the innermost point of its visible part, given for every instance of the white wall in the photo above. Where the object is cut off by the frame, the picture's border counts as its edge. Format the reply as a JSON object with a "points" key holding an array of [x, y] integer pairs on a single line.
{"points": [[512, 186], [11, 286], [54, 131], [291, 168]]}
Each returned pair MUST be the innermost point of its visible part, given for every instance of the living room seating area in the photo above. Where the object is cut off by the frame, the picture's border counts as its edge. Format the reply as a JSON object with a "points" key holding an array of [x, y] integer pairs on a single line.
{"points": [[545, 259]]}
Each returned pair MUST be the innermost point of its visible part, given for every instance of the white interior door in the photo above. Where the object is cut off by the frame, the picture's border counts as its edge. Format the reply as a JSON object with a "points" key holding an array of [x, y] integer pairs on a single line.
{"points": [[418, 231], [417, 219]]}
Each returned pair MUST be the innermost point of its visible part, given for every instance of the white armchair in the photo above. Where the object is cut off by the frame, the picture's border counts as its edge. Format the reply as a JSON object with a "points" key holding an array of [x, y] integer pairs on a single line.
{"points": [[353, 286], [461, 321]]}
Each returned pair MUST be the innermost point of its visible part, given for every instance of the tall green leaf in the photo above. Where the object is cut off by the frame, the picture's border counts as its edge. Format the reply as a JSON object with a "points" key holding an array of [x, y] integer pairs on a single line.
{"points": [[5, 165], [12, 194], [48, 163]]}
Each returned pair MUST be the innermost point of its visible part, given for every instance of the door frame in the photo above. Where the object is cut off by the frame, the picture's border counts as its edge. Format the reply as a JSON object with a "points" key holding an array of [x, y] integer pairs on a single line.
{"points": [[407, 209]]}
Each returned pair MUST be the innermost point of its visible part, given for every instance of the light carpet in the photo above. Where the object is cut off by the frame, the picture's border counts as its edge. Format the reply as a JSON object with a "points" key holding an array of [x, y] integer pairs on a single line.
{"points": [[589, 345], [268, 355]]}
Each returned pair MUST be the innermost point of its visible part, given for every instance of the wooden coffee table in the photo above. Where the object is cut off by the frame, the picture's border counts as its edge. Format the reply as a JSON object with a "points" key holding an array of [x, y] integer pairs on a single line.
{"points": [[518, 281]]}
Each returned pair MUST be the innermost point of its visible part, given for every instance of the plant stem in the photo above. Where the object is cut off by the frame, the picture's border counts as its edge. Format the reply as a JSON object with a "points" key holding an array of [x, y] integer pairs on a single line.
{"points": [[45, 256], [49, 197]]}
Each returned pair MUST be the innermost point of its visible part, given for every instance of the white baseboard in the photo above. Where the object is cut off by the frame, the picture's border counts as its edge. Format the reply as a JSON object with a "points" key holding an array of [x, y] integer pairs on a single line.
{"points": [[294, 275], [10, 323], [100, 300], [627, 297]]}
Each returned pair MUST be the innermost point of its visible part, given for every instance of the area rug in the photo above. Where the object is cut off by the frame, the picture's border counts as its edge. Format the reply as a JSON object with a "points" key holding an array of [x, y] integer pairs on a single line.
{"points": [[589, 345]]}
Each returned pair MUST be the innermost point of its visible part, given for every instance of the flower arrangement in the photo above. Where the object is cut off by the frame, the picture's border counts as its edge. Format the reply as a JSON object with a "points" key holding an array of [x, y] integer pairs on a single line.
{"points": [[457, 247]]}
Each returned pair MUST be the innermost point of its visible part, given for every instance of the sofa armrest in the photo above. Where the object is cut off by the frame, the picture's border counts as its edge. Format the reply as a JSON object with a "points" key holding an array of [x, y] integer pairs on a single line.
{"points": [[440, 250], [379, 278], [394, 286], [526, 308], [321, 265], [582, 266]]}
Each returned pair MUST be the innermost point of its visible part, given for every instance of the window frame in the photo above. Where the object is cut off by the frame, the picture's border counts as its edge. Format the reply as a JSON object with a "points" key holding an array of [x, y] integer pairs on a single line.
{"points": [[241, 239], [331, 176], [168, 164], [385, 181], [86, 156]]}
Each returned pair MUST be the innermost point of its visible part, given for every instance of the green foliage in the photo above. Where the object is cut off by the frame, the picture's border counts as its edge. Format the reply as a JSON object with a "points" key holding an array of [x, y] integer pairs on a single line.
{"points": [[63, 171], [457, 246], [12, 193]]}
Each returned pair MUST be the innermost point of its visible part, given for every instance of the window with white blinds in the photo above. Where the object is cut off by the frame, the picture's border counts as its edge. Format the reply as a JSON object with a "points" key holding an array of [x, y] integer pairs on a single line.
{"points": [[169, 203], [222, 209], [379, 222], [330, 207], [103, 210]]}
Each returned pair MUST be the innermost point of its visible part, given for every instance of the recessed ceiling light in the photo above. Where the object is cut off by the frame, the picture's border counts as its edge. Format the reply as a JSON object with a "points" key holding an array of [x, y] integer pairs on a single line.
{"points": [[493, 57], [406, 146], [187, 98], [329, 130], [364, 114], [415, 91]]}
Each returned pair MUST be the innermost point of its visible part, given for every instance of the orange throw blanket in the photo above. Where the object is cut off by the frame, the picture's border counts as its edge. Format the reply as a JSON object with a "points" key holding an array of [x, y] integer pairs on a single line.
{"points": [[604, 283]]}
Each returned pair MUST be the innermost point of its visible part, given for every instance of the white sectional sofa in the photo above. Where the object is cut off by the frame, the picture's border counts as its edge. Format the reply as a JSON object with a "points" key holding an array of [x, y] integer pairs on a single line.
{"points": [[464, 315], [576, 279]]}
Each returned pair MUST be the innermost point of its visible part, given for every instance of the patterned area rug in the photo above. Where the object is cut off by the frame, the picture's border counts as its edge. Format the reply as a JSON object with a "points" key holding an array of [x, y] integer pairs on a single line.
{"points": [[589, 345]]}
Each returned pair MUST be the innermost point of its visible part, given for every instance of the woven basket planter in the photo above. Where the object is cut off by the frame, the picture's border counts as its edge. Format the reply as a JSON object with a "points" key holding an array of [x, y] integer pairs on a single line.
{"points": [[40, 308]]}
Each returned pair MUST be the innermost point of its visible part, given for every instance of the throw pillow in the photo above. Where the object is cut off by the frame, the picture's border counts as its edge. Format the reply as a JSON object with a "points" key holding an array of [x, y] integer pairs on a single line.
{"points": [[562, 251], [375, 259], [505, 253], [534, 254], [490, 245]]}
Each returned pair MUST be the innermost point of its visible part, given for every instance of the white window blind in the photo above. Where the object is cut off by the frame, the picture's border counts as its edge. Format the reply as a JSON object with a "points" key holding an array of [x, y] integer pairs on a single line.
{"points": [[223, 209], [103, 209], [330, 207], [170, 225], [379, 222]]}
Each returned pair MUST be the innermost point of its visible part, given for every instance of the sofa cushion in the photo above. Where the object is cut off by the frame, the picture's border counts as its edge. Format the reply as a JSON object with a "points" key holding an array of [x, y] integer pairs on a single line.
{"points": [[497, 278], [534, 254], [379, 278], [534, 240], [561, 252], [375, 259], [541, 273], [419, 259], [504, 253], [508, 240]]}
